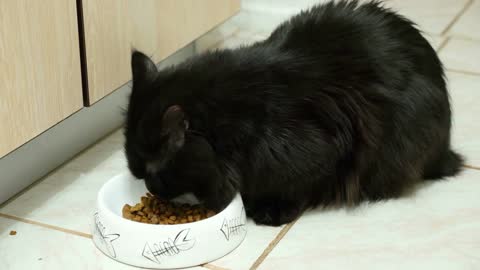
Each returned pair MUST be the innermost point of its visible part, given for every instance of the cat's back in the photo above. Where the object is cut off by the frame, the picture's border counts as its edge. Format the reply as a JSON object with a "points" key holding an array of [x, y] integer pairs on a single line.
{"points": [[345, 22], [348, 39]]}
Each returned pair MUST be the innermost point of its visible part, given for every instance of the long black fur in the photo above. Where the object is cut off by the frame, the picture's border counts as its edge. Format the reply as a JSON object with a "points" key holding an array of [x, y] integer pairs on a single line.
{"points": [[343, 103]]}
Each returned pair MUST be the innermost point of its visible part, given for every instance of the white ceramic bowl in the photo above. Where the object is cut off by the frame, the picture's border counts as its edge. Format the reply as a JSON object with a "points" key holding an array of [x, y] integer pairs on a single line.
{"points": [[162, 246]]}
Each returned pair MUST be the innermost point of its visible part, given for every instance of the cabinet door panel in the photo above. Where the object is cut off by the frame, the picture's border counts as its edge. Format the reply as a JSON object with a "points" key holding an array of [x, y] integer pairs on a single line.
{"points": [[157, 27], [40, 80]]}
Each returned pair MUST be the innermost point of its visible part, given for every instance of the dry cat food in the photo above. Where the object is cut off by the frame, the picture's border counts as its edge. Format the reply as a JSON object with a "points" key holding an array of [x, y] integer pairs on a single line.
{"points": [[153, 210], [13, 232]]}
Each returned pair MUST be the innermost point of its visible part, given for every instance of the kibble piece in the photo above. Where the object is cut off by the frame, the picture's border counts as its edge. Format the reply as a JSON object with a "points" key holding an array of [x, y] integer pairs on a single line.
{"points": [[137, 207], [152, 210], [164, 221], [210, 213], [126, 210], [13, 232]]}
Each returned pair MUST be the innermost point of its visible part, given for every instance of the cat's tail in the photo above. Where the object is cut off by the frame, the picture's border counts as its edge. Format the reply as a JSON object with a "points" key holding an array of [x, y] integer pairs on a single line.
{"points": [[449, 164]]}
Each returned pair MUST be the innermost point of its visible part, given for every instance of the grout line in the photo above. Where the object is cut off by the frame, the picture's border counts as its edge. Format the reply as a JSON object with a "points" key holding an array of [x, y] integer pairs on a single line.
{"points": [[272, 245], [48, 226], [443, 44], [466, 72], [464, 38], [452, 35], [471, 167], [457, 17], [213, 267]]}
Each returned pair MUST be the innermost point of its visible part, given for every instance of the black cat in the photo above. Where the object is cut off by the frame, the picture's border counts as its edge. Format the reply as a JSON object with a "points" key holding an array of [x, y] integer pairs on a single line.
{"points": [[344, 102]]}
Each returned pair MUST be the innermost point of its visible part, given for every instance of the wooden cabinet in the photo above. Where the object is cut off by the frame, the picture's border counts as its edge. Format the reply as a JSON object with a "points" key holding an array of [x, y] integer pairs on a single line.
{"points": [[43, 51], [157, 27], [40, 80]]}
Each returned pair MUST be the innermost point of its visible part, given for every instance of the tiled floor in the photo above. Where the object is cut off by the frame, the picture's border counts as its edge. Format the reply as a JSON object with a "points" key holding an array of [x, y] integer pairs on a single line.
{"points": [[437, 228]]}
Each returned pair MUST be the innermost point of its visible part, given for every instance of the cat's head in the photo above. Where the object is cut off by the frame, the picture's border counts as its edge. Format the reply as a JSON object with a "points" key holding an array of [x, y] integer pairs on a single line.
{"points": [[160, 146]]}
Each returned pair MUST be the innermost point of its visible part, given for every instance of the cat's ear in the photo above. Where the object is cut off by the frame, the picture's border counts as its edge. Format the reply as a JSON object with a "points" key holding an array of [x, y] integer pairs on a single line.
{"points": [[143, 68], [175, 124]]}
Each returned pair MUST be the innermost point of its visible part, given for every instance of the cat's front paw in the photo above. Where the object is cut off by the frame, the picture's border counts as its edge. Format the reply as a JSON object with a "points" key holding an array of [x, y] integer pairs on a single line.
{"points": [[273, 214]]}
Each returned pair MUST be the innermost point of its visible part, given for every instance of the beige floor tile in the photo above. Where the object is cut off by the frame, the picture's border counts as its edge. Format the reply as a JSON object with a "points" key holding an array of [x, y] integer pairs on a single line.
{"points": [[280, 6], [258, 22], [432, 16], [436, 228], [239, 39], [465, 95], [468, 23], [460, 54], [34, 247], [244, 28]]}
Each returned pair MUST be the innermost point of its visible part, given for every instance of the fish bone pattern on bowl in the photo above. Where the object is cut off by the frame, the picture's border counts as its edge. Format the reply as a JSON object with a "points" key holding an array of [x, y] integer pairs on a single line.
{"points": [[162, 246]]}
